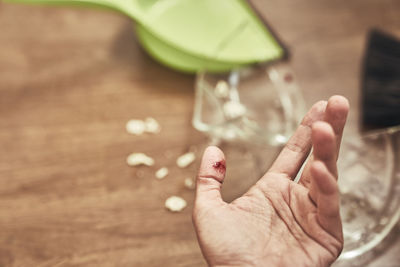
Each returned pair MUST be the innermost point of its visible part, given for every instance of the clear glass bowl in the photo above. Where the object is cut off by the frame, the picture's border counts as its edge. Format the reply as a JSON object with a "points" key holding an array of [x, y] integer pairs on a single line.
{"points": [[369, 183], [257, 105]]}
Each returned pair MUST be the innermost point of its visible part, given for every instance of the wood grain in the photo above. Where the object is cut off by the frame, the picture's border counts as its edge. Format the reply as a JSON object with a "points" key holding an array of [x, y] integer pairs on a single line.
{"points": [[70, 78]]}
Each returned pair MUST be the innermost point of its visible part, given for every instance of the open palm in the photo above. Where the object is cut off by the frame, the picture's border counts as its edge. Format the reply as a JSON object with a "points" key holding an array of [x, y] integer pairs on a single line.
{"points": [[278, 222]]}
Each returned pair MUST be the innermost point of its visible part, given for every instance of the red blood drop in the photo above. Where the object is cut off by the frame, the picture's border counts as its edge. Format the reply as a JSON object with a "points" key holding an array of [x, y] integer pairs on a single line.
{"points": [[216, 164], [220, 166]]}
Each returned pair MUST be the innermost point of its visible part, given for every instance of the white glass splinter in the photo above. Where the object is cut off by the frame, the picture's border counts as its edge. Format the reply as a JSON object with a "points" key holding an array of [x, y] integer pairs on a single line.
{"points": [[185, 160], [162, 173], [175, 204], [136, 159]]}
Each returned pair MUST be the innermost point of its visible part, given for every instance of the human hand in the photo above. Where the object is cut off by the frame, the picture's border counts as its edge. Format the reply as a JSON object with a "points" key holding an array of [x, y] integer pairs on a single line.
{"points": [[278, 222]]}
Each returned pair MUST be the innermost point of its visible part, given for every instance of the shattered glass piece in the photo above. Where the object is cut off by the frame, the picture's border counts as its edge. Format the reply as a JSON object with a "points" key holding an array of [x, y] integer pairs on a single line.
{"points": [[175, 204]]}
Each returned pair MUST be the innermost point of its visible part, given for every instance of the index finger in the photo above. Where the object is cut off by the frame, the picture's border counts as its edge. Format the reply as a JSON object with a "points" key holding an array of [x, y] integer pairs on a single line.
{"points": [[295, 152]]}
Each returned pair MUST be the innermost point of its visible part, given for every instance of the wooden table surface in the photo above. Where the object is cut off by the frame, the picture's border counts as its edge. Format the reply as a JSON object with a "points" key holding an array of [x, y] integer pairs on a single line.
{"points": [[70, 79]]}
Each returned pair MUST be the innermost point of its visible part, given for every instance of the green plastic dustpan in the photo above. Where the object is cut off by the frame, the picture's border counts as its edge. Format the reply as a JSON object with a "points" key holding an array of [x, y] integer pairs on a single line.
{"points": [[177, 59], [192, 35]]}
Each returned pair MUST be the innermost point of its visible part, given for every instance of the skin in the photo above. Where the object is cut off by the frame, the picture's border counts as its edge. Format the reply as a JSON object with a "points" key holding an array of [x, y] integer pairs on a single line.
{"points": [[278, 222]]}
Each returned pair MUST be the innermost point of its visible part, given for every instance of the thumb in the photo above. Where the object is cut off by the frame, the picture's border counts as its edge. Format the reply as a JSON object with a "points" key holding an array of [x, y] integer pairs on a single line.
{"points": [[210, 177]]}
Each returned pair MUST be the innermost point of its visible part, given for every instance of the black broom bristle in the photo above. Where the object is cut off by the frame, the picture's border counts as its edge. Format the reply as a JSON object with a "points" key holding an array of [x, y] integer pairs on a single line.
{"points": [[381, 82]]}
